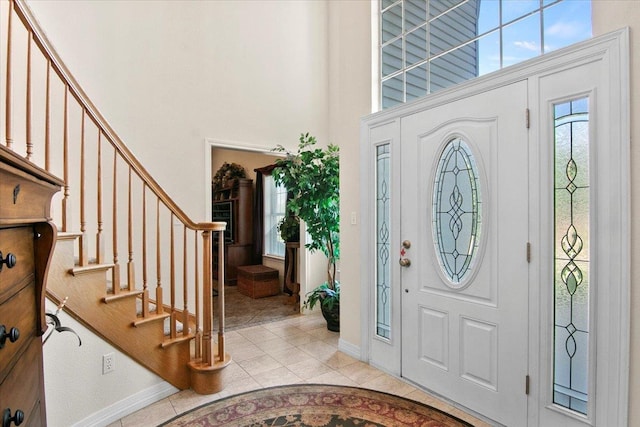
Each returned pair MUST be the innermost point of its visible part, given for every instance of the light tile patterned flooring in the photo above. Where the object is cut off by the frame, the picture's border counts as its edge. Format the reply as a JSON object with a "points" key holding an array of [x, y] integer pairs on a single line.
{"points": [[298, 349]]}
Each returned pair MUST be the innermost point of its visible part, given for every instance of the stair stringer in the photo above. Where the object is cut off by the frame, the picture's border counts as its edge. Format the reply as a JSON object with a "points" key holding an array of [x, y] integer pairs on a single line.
{"points": [[113, 321]]}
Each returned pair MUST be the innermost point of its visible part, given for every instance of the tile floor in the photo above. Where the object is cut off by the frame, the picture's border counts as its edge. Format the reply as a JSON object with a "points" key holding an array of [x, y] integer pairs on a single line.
{"points": [[298, 349]]}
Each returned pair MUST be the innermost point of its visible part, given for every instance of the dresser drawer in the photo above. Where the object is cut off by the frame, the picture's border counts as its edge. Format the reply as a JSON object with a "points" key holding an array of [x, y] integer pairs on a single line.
{"points": [[18, 312], [35, 419], [19, 242], [23, 197], [21, 389]]}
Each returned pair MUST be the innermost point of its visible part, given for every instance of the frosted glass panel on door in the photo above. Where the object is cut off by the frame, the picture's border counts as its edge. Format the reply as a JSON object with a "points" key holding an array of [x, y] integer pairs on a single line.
{"points": [[383, 248], [571, 255]]}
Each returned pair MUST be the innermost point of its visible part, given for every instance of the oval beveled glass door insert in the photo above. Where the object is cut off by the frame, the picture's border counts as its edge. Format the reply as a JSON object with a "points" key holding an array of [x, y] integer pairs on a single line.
{"points": [[457, 211]]}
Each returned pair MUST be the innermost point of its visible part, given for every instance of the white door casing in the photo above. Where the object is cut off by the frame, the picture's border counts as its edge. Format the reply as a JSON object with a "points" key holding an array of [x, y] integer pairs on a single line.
{"points": [[605, 59]]}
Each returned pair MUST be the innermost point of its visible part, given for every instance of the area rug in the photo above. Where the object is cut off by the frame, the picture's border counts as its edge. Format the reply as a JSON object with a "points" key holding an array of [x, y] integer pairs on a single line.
{"points": [[314, 405]]}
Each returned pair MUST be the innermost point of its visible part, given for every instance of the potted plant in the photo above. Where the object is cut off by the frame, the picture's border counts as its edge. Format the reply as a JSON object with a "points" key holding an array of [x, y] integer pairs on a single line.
{"points": [[311, 176], [289, 228]]}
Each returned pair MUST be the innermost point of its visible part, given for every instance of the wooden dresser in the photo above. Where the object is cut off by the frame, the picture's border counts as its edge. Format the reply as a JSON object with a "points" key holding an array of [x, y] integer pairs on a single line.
{"points": [[27, 238]]}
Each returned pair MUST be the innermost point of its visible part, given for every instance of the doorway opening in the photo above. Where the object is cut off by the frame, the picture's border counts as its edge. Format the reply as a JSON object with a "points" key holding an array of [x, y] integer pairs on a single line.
{"points": [[233, 191]]}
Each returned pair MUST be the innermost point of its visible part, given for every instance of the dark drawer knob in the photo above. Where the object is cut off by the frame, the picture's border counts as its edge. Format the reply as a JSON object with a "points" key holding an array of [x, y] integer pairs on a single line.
{"points": [[7, 419], [12, 335], [10, 260]]}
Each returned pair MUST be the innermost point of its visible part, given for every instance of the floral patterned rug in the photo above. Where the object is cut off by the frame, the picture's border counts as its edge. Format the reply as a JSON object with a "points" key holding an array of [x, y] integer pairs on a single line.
{"points": [[307, 405]]}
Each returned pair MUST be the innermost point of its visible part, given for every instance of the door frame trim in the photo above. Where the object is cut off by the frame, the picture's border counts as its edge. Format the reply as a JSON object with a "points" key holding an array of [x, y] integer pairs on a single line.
{"points": [[610, 210], [613, 49]]}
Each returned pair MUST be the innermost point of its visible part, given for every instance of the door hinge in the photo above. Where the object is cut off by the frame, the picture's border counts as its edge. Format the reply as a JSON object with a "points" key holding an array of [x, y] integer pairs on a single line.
{"points": [[526, 385], [528, 252], [526, 118]]}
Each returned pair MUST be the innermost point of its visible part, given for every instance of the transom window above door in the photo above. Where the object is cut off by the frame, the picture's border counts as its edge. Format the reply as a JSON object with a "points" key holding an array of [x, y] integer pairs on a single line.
{"points": [[428, 45]]}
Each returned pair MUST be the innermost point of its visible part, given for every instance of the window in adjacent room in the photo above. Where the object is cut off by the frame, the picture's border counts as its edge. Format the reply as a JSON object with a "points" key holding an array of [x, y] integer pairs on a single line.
{"points": [[275, 198]]}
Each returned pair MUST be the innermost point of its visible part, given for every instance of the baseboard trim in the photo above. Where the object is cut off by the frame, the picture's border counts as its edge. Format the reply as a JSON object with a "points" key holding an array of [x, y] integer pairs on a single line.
{"points": [[127, 406], [349, 349]]}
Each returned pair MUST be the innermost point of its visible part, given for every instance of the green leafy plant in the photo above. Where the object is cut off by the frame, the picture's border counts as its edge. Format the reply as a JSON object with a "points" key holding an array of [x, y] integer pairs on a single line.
{"points": [[289, 228], [326, 296], [311, 176]]}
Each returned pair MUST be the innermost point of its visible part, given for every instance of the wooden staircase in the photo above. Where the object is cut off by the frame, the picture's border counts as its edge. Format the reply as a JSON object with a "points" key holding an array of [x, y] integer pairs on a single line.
{"points": [[115, 316], [111, 205]]}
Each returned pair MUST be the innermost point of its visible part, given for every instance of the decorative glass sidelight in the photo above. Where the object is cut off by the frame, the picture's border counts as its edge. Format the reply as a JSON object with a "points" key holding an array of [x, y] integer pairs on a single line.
{"points": [[383, 248], [457, 211], [571, 255]]}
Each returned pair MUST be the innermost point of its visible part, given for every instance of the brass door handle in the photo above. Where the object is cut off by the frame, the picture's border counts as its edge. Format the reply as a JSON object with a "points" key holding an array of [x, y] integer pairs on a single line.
{"points": [[405, 262]]}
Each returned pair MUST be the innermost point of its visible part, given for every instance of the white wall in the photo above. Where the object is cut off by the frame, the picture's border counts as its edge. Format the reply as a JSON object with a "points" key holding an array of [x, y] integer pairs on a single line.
{"points": [[168, 74], [77, 391], [349, 100]]}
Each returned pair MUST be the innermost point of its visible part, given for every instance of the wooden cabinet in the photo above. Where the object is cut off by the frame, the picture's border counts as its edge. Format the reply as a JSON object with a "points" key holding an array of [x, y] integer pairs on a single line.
{"points": [[234, 205], [27, 238]]}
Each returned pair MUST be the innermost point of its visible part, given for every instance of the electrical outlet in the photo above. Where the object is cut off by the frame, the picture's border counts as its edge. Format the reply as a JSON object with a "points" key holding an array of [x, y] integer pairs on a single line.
{"points": [[108, 363]]}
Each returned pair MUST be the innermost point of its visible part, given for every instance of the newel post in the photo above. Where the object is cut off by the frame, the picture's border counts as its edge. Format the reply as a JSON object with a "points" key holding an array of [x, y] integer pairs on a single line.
{"points": [[206, 372], [221, 278], [207, 300]]}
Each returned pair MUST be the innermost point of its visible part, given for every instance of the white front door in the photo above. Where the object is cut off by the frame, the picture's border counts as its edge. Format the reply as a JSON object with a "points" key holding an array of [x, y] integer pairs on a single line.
{"points": [[477, 204], [464, 228]]}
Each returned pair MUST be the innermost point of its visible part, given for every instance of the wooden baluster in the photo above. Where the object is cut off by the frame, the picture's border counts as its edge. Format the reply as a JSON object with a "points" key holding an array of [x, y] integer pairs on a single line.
{"points": [[207, 300], [28, 100], [99, 241], [159, 297], [198, 346], [130, 267], [145, 288], [172, 324], [8, 85], [221, 279], [65, 159], [47, 120], [115, 271], [84, 251], [185, 284]]}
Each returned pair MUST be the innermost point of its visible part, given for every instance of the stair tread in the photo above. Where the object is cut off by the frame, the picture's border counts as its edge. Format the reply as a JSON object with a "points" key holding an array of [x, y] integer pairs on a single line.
{"points": [[121, 295], [67, 235], [153, 316], [176, 340], [78, 270]]}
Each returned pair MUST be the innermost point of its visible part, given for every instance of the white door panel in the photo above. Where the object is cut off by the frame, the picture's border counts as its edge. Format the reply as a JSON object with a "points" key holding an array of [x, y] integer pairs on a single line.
{"points": [[471, 333]]}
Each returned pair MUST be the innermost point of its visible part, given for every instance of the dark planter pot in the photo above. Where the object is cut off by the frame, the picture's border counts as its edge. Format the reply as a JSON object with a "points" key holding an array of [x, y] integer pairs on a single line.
{"points": [[332, 316]]}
